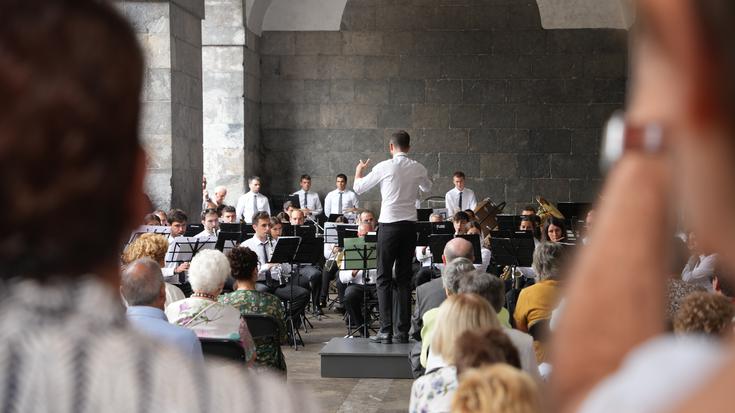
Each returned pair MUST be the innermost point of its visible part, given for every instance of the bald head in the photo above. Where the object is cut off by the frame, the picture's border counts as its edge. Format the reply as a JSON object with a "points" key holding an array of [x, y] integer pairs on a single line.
{"points": [[458, 248], [142, 283]]}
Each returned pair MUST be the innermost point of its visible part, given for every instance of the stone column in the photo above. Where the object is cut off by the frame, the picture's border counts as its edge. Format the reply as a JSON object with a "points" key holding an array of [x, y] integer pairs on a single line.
{"points": [[170, 34], [231, 97]]}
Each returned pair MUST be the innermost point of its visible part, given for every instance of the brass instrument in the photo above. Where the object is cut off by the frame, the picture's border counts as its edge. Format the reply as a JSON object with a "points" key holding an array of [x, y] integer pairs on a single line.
{"points": [[547, 209]]}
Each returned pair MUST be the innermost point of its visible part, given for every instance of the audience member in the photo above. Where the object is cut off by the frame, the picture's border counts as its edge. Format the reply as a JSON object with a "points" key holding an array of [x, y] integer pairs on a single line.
{"points": [[458, 313], [71, 76], [244, 268], [705, 313], [535, 303], [483, 347], [677, 291], [153, 246], [142, 287], [201, 312], [499, 388]]}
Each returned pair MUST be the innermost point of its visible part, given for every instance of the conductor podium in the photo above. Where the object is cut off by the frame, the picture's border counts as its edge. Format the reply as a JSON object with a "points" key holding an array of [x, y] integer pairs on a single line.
{"points": [[359, 358]]}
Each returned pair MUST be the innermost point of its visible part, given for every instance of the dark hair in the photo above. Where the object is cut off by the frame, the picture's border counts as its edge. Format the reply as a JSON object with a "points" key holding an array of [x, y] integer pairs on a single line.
{"points": [[151, 219], [343, 176], [529, 207], [276, 221], [242, 263], [208, 211], [340, 220], [401, 139], [254, 178], [177, 215], [472, 224], [282, 216], [220, 208], [552, 220], [70, 80], [487, 346], [228, 208], [460, 216], [260, 215], [305, 176], [458, 174], [287, 205]]}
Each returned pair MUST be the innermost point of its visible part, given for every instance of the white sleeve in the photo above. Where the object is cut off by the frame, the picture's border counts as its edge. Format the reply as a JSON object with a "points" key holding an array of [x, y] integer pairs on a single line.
{"points": [[317, 207], [267, 205], [425, 183], [240, 208], [327, 205], [367, 182], [448, 204]]}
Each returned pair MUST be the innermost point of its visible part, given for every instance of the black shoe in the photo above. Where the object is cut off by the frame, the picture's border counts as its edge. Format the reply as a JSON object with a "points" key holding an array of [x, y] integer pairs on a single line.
{"points": [[383, 338], [401, 338], [318, 311]]}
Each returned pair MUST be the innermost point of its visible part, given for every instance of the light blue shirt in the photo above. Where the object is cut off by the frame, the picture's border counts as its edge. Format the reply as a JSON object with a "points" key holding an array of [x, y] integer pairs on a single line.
{"points": [[153, 322]]}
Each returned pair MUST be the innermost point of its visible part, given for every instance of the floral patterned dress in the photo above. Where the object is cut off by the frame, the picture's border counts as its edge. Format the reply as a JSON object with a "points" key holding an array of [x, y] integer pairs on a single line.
{"points": [[255, 302], [433, 392], [211, 319]]}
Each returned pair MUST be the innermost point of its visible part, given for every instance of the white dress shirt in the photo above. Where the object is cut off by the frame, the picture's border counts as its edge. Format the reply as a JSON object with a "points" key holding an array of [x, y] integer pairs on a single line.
{"points": [[264, 255], [206, 233], [312, 201], [399, 179], [699, 270], [423, 256], [345, 277], [451, 200], [244, 208], [331, 202]]}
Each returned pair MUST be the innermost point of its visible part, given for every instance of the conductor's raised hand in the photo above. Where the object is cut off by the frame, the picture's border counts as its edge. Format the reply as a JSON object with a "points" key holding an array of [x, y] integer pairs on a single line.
{"points": [[361, 166]]}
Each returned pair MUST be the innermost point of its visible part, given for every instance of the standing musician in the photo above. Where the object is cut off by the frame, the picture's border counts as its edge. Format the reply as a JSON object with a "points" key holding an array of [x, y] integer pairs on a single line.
{"points": [[342, 200], [262, 244], [399, 179], [310, 203], [459, 198], [252, 202]]}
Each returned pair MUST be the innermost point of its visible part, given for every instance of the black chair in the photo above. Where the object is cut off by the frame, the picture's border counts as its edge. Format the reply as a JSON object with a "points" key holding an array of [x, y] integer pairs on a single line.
{"points": [[223, 348], [263, 327]]}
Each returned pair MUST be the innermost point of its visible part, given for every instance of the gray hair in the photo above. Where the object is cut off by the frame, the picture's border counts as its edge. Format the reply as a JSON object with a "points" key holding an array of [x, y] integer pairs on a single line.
{"points": [[485, 285], [435, 215], [459, 248], [141, 282], [220, 188], [455, 270], [208, 271], [548, 260]]}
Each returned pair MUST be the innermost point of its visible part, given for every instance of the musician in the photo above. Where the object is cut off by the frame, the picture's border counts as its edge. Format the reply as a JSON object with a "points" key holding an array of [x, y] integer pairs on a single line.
{"points": [[424, 256], [151, 219], [459, 198], [220, 192], [341, 200], [252, 202], [554, 230], [355, 282], [459, 220], [162, 216], [310, 277], [399, 178], [310, 203], [367, 216], [210, 220], [528, 210], [330, 272], [531, 223], [269, 275], [175, 272], [229, 214]]}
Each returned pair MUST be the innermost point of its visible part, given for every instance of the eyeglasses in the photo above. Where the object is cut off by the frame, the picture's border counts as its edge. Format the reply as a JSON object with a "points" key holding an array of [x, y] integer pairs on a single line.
{"points": [[620, 136]]}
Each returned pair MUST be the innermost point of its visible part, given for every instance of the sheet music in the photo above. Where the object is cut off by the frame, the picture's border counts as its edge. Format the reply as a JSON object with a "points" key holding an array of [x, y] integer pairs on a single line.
{"points": [[144, 229], [183, 249]]}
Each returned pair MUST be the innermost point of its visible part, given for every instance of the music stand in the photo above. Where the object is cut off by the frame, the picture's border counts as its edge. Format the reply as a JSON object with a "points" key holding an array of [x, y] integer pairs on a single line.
{"points": [[437, 242], [183, 249], [360, 254], [423, 230], [303, 231], [332, 229], [332, 218], [343, 233], [145, 229], [508, 222], [222, 241], [193, 229], [284, 252], [476, 247], [442, 228], [513, 252], [424, 214]]}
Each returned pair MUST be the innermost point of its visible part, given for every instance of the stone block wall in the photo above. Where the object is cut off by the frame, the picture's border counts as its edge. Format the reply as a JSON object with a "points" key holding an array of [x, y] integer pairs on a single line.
{"points": [[478, 84]]}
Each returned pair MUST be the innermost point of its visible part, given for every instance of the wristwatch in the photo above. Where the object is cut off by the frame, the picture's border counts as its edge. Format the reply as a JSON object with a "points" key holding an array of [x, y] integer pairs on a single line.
{"points": [[619, 137]]}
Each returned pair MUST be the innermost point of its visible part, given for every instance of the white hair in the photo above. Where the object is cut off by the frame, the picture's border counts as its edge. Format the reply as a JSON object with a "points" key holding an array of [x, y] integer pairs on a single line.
{"points": [[208, 271], [219, 189]]}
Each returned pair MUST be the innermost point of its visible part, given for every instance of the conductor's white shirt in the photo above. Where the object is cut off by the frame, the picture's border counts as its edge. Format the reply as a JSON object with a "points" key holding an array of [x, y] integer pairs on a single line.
{"points": [[399, 179], [244, 206], [312, 201], [331, 202], [451, 199]]}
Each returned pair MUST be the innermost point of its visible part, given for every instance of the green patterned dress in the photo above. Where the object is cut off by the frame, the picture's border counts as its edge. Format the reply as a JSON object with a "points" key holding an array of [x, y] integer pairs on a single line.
{"points": [[255, 302]]}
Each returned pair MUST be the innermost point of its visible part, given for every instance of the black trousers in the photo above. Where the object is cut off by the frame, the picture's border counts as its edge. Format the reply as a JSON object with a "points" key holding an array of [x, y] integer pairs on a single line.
{"points": [[327, 277], [309, 278], [396, 245], [298, 296]]}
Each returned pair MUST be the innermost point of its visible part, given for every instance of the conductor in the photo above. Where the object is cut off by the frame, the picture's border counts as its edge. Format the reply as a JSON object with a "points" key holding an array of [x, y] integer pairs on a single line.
{"points": [[399, 179]]}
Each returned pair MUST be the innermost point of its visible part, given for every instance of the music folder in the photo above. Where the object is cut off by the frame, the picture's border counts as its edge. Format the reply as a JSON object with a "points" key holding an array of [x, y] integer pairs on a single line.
{"points": [[183, 249], [437, 242], [512, 251], [476, 246], [423, 230], [285, 250], [144, 229]]}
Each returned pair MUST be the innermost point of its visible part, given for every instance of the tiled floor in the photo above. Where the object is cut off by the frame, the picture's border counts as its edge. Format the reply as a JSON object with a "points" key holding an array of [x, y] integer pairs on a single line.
{"points": [[342, 395]]}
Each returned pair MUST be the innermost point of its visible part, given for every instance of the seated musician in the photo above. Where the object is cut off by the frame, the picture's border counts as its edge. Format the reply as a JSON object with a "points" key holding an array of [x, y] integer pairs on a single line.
{"points": [[331, 251], [531, 223], [460, 219], [310, 203], [151, 219], [473, 228], [341, 200], [173, 271], [270, 278], [528, 210], [229, 214], [424, 256], [355, 281], [162, 216], [210, 220], [310, 276], [555, 230]]}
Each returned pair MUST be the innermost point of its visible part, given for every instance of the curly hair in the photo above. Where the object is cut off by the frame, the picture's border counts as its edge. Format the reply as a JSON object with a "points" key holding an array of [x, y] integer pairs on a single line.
{"points": [[243, 262], [704, 313], [153, 246], [70, 77], [499, 388]]}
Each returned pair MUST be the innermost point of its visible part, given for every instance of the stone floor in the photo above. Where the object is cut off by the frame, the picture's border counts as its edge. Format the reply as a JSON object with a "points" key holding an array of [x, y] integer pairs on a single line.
{"points": [[341, 395]]}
